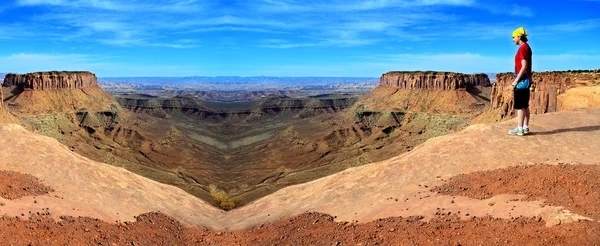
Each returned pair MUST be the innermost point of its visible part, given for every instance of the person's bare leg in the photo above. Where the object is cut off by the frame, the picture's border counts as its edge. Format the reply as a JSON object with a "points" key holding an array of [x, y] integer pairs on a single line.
{"points": [[520, 117], [527, 115]]}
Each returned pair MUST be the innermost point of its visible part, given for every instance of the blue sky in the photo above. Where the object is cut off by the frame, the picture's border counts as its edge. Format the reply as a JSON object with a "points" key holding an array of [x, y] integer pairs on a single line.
{"points": [[291, 37]]}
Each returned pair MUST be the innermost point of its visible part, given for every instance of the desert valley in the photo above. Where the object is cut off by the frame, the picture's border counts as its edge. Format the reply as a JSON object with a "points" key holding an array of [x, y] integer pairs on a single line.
{"points": [[421, 157]]}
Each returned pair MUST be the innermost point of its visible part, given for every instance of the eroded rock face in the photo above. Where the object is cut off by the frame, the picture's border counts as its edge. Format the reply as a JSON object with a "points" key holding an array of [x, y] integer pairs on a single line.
{"points": [[1, 98], [547, 86], [433, 80], [51, 80]]}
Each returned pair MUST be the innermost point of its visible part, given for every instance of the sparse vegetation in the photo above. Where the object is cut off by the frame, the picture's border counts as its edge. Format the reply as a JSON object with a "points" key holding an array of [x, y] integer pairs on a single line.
{"points": [[222, 199]]}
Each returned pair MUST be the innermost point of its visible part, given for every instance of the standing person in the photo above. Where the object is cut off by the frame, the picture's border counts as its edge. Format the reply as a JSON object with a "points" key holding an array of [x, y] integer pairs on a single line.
{"points": [[522, 82]]}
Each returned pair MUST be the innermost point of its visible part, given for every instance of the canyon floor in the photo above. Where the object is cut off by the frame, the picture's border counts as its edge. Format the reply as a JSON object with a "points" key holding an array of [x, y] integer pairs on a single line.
{"points": [[475, 186]]}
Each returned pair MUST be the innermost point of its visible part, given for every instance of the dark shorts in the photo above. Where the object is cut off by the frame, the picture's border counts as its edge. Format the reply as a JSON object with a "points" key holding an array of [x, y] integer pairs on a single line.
{"points": [[521, 98]]}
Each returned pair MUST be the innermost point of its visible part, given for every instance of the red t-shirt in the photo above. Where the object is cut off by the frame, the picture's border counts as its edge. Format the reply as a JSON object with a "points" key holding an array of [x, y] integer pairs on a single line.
{"points": [[524, 53]]}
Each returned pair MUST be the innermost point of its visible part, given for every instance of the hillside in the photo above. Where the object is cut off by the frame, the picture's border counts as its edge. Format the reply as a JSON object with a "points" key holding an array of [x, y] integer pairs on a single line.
{"points": [[471, 150], [401, 186]]}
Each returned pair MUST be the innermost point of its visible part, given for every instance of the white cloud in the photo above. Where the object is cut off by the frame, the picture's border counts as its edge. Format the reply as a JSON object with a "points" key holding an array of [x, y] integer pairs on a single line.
{"points": [[335, 23], [99, 4], [120, 5], [101, 66], [574, 26], [353, 5], [22, 62], [102, 22], [508, 9], [566, 62], [459, 62], [362, 67]]}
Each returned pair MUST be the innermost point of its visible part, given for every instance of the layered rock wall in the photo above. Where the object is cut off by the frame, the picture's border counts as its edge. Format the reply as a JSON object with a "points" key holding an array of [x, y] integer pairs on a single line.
{"points": [[54, 92], [1, 98], [51, 80], [545, 91], [433, 80]]}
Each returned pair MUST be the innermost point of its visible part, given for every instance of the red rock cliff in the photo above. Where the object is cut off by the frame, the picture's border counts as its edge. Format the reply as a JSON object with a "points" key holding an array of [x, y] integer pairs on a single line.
{"points": [[54, 92], [51, 80], [547, 86], [1, 98], [433, 80]]}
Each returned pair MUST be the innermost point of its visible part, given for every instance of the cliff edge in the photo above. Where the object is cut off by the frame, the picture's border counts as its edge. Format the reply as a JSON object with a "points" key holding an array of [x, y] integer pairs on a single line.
{"points": [[54, 92], [550, 92], [433, 80]]}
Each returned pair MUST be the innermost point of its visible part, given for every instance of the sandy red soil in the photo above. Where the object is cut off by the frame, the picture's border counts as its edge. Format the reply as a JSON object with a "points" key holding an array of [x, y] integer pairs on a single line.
{"points": [[306, 229], [564, 185], [576, 187], [14, 185]]}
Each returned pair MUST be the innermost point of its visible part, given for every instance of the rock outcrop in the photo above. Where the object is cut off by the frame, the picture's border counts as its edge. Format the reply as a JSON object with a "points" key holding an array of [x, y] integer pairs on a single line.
{"points": [[545, 91], [433, 80], [429, 92], [5, 117], [54, 92], [51, 80], [1, 99]]}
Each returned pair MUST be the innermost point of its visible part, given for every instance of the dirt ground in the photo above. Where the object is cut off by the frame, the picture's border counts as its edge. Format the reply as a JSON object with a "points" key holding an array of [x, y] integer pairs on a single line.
{"points": [[573, 186], [306, 229], [576, 187], [14, 185]]}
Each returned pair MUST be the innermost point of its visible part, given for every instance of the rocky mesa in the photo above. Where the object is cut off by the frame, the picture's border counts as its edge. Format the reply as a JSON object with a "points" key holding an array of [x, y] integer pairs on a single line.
{"points": [[54, 92], [550, 92], [51, 80], [448, 93], [433, 80]]}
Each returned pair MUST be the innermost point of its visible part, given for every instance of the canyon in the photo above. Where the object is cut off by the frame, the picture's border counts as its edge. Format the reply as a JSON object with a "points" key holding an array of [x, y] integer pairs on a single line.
{"points": [[397, 165], [231, 148], [250, 145]]}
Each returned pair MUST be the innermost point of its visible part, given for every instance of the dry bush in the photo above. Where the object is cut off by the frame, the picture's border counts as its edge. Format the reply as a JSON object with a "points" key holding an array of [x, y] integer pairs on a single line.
{"points": [[222, 198]]}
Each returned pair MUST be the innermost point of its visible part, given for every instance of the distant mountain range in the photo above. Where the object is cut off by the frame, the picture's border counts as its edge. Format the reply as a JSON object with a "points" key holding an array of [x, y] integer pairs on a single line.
{"points": [[239, 80], [232, 83]]}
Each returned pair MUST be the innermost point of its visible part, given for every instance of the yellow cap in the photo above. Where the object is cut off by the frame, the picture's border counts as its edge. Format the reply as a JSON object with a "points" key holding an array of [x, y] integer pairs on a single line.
{"points": [[519, 32]]}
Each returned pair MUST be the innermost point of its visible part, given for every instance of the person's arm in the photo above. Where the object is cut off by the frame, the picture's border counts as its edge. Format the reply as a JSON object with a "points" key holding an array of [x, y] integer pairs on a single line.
{"points": [[524, 65]]}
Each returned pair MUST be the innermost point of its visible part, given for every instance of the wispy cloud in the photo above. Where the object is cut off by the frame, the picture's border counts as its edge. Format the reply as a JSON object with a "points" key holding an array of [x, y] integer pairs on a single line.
{"points": [[308, 23], [574, 26], [23, 62], [358, 23], [508, 9], [238, 32], [102, 66], [351, 5], [119, 5], [114, 22], [474, 63]]}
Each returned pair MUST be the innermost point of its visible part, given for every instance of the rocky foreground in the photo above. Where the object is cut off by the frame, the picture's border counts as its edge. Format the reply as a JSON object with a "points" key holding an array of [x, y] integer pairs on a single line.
{"points": [[475, 186], [571, 185]]}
